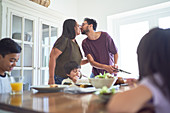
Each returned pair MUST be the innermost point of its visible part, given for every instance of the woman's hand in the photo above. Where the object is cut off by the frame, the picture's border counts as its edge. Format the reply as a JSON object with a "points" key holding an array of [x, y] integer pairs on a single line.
{"points": [[51, 80]]}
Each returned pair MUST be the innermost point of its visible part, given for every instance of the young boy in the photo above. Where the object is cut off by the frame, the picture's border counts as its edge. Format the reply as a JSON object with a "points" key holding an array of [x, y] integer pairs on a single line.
{"points": [[74, 75], [73, 72], [9, 55]]}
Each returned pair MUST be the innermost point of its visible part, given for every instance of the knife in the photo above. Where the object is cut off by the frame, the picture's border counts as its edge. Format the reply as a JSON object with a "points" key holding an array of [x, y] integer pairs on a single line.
{"points": [[120, 70]]}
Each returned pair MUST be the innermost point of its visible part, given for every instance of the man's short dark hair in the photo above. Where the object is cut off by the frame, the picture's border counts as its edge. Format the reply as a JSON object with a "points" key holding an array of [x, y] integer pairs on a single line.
{"points": [[91, 21], [70, 66], [9, 46]]}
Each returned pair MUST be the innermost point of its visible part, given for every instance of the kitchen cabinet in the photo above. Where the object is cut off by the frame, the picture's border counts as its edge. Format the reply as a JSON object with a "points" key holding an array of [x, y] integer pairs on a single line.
{"points": [[35, 28]]}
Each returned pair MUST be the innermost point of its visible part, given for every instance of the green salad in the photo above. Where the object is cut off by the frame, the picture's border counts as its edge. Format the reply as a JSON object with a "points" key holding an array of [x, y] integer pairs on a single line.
{"points": [[106, 90], [105, 75]]}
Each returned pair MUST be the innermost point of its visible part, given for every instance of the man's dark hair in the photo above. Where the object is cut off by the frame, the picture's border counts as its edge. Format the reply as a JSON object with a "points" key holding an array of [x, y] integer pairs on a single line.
{"points": [[8, 46], [70, 66], [91, 21], [68, 28]]}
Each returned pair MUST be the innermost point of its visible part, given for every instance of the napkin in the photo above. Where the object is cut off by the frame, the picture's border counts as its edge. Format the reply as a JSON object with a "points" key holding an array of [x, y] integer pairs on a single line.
{"points": [[78, 90]]}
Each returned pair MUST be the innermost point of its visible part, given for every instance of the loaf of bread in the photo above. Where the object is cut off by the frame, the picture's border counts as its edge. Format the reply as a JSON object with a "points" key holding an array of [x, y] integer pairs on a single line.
{"points": [[53, 85]]}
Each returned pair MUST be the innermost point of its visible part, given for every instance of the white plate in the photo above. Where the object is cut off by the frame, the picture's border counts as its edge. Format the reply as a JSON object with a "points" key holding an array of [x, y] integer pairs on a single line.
{"points": [[47, 88]]}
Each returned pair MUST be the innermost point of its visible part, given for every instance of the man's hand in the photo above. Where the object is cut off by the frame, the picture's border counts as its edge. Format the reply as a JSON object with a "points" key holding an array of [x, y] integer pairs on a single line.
{"points": [[115, 67], [109, 68]]}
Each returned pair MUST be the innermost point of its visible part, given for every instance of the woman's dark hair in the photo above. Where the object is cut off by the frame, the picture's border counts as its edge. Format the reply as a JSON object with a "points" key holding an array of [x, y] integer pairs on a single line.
{"points": [[91, 21], [68, 33], [70, 66], [9, 46], [68, 28], [154, 57]]}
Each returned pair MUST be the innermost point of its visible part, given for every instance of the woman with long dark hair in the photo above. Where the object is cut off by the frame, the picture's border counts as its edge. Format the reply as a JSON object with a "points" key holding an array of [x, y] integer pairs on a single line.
{"points": [[154, 69], [64, 50]]}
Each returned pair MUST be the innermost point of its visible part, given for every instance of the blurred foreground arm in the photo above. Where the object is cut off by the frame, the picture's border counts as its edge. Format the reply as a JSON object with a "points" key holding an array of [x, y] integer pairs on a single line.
{"points": [[129, 101]]}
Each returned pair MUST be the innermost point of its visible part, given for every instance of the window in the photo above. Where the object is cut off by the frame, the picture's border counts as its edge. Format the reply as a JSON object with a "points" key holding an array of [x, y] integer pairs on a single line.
{"points": [[129, 27], [130, 36], [164, 22]]}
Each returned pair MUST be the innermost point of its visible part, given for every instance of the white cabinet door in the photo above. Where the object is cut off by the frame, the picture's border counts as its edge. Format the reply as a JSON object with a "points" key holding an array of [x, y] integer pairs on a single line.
{"points": [[49, 34], [23, 32], [35, 29]]}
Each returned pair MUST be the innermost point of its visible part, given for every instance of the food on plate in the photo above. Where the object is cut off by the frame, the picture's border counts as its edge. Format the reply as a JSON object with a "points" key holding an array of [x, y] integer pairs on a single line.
{"points": [[120, 80], [82, 86], [67, 81], [53, 85]]}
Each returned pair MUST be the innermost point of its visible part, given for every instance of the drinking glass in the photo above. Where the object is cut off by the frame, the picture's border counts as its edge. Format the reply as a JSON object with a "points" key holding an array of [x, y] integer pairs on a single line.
{"points": [[16, 85]]}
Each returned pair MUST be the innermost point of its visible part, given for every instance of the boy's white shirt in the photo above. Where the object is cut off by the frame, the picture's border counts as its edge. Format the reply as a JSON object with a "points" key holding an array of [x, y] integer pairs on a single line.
{"points": [[5, 85]]}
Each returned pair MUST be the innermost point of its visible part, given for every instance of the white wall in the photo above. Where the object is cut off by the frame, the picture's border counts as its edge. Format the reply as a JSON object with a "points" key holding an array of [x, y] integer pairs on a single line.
{"points": [[66, 7], [100, 9]]}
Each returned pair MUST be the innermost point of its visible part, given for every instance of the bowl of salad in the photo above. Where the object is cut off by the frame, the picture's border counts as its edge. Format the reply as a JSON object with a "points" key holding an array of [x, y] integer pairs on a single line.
{"points": [[101, 80]]}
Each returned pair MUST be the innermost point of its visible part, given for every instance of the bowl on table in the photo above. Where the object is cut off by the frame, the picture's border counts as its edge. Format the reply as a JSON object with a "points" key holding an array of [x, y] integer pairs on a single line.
{"points": [[100, 82]]}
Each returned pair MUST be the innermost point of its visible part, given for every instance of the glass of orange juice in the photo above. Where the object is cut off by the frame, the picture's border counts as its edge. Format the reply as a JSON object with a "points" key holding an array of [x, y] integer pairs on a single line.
{"points": [[16, 85]]}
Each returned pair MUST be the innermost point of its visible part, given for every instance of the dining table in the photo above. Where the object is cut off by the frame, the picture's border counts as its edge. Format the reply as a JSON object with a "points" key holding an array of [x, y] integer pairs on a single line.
{"points": [[56, 102]]}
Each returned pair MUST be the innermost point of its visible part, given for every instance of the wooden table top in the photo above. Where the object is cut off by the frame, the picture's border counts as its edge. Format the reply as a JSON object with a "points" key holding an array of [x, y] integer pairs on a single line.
{"points": [[58, 102]]}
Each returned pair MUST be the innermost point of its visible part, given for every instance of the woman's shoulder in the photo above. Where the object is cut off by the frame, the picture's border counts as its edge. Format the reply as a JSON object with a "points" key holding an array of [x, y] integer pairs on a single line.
{"points": [[61, 40]]}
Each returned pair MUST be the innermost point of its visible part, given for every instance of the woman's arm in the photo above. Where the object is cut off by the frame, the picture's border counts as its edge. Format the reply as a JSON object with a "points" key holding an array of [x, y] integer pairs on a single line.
{"points": [[53, 56], [129, 101]]}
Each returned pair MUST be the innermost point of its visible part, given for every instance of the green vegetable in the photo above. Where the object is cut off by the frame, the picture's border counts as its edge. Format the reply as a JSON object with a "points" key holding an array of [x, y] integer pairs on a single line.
{"points": [[105, 90], [105, 75]]}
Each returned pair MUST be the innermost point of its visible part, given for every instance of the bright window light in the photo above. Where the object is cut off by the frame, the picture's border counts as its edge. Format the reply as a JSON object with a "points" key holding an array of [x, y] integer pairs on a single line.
{"points": [[130, 35], [164, 22]]}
